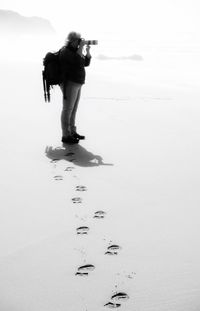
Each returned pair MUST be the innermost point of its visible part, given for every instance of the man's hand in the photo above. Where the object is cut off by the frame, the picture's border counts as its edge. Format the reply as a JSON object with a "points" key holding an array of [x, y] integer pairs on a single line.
{"points": [[88, 50], [82, 43], [80, 48]]}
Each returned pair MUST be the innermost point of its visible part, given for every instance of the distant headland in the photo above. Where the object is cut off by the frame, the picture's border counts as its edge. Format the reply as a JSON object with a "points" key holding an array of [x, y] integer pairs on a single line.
{"points": [[13, 23]]}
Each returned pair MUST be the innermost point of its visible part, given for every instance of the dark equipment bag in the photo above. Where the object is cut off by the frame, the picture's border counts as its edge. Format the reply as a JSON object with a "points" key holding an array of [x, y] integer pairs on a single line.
{"points": [[51, 73]]}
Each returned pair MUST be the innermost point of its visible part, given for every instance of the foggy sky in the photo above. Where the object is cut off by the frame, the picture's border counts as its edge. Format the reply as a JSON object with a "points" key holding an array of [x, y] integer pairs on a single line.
{"points": [[150, 19]]}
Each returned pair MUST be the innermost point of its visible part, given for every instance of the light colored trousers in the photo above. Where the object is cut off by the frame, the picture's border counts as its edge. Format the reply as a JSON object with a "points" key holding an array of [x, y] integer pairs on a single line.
{"points": [[71, 97]]}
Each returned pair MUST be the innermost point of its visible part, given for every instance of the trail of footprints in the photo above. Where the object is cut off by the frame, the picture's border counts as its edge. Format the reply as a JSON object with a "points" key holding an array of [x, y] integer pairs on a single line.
{"points": [[83, 271], [116, 298]]}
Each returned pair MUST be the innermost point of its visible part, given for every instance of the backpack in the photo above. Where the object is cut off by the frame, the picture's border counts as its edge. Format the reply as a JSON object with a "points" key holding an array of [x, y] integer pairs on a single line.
{"points": [[51, 73]]}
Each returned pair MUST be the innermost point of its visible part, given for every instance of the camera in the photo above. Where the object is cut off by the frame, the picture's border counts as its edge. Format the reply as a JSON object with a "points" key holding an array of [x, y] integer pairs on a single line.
{"points": [[91, 42]]}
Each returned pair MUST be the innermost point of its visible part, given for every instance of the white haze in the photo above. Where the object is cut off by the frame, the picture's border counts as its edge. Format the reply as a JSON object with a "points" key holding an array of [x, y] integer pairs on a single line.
{"points": [[143, 20], [139, 114]]}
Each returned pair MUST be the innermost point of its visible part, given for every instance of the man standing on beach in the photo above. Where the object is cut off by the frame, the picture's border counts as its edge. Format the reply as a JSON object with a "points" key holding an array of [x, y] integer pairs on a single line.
{"points": [[73, 63]]}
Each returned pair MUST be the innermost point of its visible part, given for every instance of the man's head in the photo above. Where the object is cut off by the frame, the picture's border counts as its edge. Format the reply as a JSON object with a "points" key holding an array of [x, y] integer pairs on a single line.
{"points": [[73, 39], [73, 36]]}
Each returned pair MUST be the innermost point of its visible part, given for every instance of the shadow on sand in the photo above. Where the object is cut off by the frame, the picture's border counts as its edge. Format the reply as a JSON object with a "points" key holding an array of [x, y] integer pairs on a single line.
{"points": [[75, 154]]}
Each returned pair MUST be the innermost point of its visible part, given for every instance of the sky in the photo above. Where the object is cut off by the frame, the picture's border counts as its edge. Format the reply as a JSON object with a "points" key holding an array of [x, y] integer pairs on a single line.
{"points": [[148, 19]]}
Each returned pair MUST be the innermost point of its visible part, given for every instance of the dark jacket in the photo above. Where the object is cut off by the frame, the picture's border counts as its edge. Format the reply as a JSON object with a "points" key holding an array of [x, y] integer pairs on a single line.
{"points": [[73, 65]]}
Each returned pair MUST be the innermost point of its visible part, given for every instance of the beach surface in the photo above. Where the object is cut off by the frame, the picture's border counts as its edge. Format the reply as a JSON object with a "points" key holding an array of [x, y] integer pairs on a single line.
{"points": [[114, 221]]}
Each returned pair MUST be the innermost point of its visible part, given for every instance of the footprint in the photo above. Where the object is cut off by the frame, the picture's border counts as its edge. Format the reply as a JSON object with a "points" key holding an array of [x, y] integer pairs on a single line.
{"points": [[114, 247], [99, 214], [82, 230], [112, 250], [77, 200], [82, 273], [58, 177], [111, 253], [81, 188], [69, 169], [120, 296], [112, 305], [86, 268]]}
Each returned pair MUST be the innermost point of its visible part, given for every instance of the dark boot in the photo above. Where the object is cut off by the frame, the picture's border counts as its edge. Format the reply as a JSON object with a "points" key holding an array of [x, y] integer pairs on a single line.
{"points": [[77, 136], [70, 140]]}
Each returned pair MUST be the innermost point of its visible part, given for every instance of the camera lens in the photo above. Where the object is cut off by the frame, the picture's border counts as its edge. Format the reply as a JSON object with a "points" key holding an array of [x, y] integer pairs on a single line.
{"points": [[91, 42]]}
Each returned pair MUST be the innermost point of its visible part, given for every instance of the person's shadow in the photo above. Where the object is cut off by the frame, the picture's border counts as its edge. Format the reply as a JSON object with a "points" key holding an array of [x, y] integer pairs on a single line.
{"points": [[75, 154]]}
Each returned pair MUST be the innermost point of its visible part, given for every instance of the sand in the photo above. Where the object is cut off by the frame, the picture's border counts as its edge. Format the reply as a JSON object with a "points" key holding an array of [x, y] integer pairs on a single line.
{"points": [[139, 166]]}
